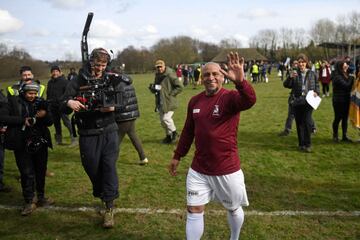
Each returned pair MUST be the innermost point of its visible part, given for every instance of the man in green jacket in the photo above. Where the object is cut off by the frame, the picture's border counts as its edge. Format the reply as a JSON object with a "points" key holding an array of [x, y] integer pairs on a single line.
{"points": [[168, 87]]}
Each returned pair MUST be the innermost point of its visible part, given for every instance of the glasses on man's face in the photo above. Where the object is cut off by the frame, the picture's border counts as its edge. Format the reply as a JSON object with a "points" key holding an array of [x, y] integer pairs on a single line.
{"points": [[158, 67], [215, 74]]}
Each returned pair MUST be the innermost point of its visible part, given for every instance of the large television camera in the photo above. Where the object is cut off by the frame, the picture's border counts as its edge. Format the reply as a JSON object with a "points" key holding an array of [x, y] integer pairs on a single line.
{"points": [[99, 93]]}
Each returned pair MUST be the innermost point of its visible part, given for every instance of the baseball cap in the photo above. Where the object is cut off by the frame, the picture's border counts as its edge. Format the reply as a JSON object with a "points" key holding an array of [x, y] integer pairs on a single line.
{"points": [[159, 63]]}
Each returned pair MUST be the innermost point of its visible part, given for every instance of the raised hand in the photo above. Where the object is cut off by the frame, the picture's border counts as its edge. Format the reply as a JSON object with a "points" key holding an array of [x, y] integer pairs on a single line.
{"points": [[235, 67]]}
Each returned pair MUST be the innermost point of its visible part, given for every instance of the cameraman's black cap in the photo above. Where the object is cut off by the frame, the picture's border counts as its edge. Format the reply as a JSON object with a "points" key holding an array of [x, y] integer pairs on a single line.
{"points": [[55, 67], [25, 68]]}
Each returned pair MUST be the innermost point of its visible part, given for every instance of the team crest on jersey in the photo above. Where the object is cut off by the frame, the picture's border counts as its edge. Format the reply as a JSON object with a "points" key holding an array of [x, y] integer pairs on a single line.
{"points": [[216, 111]]}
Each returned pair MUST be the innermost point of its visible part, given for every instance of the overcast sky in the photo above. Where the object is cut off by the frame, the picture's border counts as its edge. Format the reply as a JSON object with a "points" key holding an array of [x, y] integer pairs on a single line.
{"points": [[51, 29]]}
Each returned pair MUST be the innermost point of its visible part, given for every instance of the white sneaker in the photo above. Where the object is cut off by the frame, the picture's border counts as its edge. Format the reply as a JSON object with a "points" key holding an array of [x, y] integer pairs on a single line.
{"points": [[144, 161], [323, 95]]}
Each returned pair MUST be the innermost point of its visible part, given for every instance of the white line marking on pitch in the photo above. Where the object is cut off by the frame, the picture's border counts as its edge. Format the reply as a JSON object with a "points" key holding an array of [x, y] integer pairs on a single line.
{"points": [[210, 212]]}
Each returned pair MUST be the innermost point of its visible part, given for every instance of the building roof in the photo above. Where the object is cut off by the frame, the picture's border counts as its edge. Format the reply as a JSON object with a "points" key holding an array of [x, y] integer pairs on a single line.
{"points": [[246, 53]]}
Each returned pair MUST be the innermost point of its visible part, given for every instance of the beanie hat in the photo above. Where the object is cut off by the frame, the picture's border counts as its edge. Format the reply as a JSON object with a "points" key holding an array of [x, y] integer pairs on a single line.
{"points": [[33, 86]]}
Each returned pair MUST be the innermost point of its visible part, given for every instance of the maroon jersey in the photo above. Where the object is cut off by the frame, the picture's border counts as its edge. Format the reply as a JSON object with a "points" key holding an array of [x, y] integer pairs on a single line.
{"points": [[213, 122]]}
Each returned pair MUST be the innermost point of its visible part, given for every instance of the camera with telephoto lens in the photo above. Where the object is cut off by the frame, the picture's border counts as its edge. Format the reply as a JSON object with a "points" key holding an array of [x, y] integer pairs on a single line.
{"points": [[154, 88], [40, 104]]}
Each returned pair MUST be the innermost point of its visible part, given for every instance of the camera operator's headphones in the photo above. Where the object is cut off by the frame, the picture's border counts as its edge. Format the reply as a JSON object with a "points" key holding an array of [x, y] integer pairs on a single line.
{"points": [[97, 52]]}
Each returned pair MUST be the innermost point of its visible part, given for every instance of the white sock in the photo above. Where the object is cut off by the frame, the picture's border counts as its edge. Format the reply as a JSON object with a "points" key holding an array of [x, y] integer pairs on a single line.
{"points": [[194, 226], [235, 219]]}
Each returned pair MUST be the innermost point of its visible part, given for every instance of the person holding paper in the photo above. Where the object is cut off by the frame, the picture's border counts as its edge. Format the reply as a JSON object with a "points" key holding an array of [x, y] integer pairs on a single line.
{"points": [[301, 82]]}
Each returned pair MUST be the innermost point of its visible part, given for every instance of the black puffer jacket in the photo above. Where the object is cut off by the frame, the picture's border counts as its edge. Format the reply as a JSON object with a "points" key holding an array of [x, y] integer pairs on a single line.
{"points": [[341, 84], [129, 109]]}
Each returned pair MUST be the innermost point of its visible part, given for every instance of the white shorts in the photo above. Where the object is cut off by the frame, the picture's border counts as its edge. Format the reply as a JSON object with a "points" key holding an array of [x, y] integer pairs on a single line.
{"points": [[228, 189]]}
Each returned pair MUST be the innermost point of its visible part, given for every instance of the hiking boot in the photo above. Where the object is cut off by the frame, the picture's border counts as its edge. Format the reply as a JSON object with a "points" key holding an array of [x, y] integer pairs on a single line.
{"points": [[144, 161], [28, 209], [167, 139], [109, 218], [174, 136], [45, 202], [284, 133]]}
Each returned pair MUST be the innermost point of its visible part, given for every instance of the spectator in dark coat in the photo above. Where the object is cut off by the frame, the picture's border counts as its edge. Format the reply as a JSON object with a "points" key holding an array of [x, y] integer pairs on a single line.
{"points": [[126, 115], [55, 89], [342, 84]]}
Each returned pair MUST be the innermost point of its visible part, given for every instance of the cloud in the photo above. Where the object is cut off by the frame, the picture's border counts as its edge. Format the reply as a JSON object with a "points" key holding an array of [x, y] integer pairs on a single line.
{"points": [[67, 4], [8, 22], [106, 29], [123, 6], [40, 33], [151, 29], [257, 13]]}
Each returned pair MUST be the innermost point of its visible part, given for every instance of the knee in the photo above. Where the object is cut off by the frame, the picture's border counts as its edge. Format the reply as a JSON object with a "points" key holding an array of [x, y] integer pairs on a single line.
{"points": [[237, 212], [195, 209]]}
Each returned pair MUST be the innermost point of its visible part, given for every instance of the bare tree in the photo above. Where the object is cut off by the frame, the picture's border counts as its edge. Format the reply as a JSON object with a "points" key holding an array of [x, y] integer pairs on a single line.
{"points": [[323, 31], [181, 49], [3, 49], [300, 38], [207, 51], [286, 37], [19, 53], [230, 43]]}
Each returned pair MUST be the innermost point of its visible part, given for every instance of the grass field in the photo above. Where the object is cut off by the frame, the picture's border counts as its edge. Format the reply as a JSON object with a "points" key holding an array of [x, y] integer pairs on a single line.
{"points": [[278, 178]]}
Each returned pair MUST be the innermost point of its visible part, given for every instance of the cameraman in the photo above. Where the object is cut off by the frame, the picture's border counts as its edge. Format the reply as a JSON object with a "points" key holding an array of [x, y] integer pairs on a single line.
{"points": [[55, 89], [168, 86], [98, 141], [28, 120]]}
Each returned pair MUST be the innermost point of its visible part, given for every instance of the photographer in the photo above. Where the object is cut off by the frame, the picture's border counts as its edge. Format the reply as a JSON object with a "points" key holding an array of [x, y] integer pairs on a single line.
{"points": [[98, 141], [55, 89], [166, 87], [28, 120]]}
